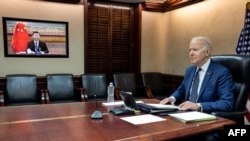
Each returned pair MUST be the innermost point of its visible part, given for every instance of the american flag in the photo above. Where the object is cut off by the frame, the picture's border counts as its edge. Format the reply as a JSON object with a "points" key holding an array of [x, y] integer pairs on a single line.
{"points": [[243, 47]]}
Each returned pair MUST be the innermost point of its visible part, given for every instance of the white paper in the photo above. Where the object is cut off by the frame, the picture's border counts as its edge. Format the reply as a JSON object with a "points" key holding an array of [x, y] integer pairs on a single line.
{"points": [[117, 103], [142, 119], [163, 106]]}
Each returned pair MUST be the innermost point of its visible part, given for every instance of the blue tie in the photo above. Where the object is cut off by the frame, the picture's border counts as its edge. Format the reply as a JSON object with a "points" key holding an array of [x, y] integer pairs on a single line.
{"points": [[194, 90]]}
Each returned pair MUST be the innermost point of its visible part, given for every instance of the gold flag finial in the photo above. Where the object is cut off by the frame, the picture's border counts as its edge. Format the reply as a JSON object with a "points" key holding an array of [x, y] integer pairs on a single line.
{"points": [[248, 4]]}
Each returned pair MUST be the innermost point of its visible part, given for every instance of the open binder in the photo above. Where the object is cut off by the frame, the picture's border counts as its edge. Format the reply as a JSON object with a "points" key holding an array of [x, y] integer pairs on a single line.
{"points": [[157, 108]]}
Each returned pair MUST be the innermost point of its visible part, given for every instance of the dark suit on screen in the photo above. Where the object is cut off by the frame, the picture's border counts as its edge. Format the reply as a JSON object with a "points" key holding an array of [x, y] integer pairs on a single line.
{"points": [[42, 46]]}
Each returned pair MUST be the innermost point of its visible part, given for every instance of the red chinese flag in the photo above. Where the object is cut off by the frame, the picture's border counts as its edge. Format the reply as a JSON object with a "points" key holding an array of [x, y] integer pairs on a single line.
{"points": [[20, 38]]}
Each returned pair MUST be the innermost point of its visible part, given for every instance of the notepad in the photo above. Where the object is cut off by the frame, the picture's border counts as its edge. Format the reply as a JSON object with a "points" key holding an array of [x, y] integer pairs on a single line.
{"points": [[192, 116]]}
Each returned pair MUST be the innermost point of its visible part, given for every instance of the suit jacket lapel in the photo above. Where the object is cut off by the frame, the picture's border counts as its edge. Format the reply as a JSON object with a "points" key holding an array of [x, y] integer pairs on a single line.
{"points": [[207, 77]]}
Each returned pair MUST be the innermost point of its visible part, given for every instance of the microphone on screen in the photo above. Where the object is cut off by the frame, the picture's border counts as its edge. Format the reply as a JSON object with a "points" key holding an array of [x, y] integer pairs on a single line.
{"points": [[96, 114]]}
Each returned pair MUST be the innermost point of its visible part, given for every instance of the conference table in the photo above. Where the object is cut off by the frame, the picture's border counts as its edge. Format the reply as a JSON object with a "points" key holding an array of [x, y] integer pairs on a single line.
{"points": [[72, 122]]}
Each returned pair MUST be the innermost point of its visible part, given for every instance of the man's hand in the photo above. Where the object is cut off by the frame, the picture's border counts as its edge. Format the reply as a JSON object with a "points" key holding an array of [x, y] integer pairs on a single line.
{"points": [[29, 51], [187, 105], [167, 100]]}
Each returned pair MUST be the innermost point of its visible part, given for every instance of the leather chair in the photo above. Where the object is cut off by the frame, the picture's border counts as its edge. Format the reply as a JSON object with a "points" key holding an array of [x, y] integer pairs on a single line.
{"points": [[239, 66], [127, 82], [21, 89], [61, 89], [154, 84], [94, 85]]}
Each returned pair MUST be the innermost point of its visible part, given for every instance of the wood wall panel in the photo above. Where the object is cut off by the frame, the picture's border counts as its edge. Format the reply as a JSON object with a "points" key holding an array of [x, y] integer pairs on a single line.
{"points": [[111, 46]]}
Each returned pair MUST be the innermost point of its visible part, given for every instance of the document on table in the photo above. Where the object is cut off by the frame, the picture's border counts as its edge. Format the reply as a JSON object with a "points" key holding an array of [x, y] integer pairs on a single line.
{"points": [[192, 116], [162, 106], [142, 119], [117, 103]]}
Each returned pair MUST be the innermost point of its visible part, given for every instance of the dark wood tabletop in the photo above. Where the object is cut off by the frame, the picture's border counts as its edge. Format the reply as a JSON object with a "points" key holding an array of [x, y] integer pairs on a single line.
{"points": [[72, 122]]}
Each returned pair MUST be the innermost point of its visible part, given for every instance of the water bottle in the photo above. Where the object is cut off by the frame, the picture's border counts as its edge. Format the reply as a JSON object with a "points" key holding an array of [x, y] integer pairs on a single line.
{"points": [[110, 92]]}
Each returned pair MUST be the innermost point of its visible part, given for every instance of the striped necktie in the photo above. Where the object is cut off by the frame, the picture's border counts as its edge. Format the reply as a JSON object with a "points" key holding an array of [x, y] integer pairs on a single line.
{"points": [[36, 47], [194, 89]]}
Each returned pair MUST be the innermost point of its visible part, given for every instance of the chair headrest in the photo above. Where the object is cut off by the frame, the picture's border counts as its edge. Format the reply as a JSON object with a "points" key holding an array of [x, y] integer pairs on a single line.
{"points": [[238, 65]]}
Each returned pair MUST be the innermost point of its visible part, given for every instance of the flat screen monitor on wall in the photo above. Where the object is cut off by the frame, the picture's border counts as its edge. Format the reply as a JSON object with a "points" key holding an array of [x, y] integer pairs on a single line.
{"points": [[19, 35]]}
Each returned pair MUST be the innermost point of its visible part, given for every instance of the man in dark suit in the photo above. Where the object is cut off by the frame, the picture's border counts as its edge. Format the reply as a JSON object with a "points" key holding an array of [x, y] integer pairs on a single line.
{"points": [[215, 90], [36, 46]]}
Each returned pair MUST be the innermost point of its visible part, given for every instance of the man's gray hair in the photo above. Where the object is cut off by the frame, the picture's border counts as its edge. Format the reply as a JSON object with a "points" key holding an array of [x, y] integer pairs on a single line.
{"points": [[204, 40]]}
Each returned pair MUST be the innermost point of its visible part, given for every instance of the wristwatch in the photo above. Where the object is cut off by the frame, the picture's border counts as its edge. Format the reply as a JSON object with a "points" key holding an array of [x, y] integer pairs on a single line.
{"points": [[199, 107]]}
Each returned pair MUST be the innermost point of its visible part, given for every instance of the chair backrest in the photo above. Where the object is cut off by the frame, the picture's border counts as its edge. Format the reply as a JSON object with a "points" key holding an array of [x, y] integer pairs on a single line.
{"points": [[21, 89], [95, 84], [239, 66], [125, 81], [156, 83], [61, 87]]}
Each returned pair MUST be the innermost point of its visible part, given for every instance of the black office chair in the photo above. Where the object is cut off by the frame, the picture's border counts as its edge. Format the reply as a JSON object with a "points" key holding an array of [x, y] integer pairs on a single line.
{"points": [[239, 66], [61, 89], [94, 85], [21, 89], [127, 82], [154, 84]]}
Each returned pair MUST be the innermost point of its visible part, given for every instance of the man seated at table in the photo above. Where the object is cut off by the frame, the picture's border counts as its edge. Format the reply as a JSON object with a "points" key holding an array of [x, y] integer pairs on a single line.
{"points": [[207, 86]]}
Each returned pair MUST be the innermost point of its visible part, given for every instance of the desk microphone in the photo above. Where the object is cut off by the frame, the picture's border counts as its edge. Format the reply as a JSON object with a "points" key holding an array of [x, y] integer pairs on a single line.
{"points": [[96, 114]]}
